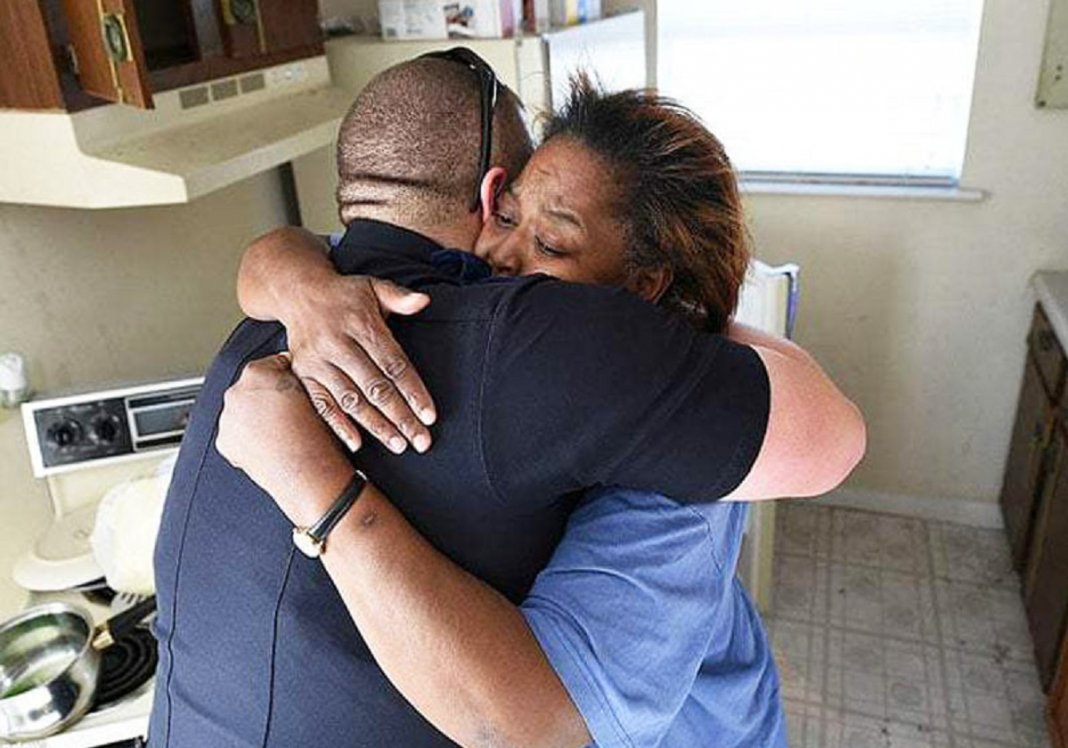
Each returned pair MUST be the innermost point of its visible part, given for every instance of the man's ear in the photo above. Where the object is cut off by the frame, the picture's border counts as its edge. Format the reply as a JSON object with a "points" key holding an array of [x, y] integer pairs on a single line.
{"points": [[490, 190], [651, 283]]}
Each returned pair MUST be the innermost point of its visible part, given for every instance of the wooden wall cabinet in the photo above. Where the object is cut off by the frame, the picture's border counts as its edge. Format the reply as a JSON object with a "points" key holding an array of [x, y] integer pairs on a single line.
{"points": [[28, 76], [1034, 496], [105, 40], [72, 54]]}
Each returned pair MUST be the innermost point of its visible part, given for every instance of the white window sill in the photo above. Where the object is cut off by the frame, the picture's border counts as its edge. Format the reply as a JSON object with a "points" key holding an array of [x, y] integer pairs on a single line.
{"points": [[830, 189]]}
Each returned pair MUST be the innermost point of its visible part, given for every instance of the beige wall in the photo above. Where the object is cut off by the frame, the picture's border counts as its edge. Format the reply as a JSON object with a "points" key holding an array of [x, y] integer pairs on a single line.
{"points": [[99, 297], [920, 308]]}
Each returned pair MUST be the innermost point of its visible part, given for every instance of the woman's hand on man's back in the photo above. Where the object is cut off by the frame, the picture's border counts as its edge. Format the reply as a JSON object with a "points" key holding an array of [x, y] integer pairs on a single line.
{"points": [[353, 369]]}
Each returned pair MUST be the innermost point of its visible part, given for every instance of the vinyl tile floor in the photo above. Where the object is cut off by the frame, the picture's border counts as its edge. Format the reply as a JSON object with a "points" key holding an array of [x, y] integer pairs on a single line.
{"points": [[894, 632]]}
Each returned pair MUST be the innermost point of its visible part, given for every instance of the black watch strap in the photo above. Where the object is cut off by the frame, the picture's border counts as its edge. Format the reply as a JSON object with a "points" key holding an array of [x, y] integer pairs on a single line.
{"points": [[321, 529]]}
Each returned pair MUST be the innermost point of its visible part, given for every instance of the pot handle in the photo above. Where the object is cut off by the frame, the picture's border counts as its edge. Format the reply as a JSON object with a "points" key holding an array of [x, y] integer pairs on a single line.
{"points": [[123, 623]]}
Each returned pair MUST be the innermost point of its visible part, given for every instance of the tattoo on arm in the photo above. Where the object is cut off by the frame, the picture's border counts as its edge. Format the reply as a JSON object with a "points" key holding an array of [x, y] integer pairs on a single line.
{"points": [[489, 737], [285, 384]]}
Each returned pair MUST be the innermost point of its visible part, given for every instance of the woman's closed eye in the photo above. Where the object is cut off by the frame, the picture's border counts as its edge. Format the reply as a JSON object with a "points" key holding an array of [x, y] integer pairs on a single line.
{"points": [[548, 250], [504, 220]]}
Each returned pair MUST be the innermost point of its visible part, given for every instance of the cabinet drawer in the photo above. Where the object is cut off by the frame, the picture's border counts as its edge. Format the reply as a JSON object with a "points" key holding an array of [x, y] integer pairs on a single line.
{"points": [[1047, 353]]}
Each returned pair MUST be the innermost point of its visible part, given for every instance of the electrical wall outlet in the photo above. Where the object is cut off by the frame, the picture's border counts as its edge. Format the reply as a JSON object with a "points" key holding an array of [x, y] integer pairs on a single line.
{"points": [[287, 75]]}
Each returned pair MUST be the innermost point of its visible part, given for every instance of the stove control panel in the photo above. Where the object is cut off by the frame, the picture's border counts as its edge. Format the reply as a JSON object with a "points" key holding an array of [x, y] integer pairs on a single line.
{"points": [[82, 430]]}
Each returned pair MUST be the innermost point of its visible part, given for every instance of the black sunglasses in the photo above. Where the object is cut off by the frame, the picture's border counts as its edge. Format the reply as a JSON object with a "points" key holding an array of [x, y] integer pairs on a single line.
{"points": [[488, 87]]}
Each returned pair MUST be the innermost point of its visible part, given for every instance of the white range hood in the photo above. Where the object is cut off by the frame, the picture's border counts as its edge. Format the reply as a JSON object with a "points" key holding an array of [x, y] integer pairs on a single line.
{"points": [[198, 139]]}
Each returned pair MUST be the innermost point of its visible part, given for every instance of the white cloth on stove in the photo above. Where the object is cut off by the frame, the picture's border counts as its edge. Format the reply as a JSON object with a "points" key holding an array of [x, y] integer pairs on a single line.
{"points": [[124, 536]]}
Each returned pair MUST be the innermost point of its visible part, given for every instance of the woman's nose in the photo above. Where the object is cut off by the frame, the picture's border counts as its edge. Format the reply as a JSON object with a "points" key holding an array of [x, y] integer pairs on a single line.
{"points": [[506, 256]]}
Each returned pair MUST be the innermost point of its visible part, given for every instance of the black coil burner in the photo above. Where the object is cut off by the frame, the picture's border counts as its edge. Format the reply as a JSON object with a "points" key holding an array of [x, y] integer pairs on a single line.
{"points": [[125, 666]]}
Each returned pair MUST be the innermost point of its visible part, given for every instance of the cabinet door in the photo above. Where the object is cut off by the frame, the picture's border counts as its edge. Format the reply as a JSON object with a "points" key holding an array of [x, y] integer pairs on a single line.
{"points": [[1047, 570], [107, 44], [28, 77], [1047, 353], [1034, 420], [242, 28], [288, 24], [1058, 703], [255, 27]]}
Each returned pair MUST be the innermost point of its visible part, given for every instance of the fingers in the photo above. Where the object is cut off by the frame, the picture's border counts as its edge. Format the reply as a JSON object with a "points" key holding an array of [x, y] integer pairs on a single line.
{"points": [[383, 378], [268, 371], [271, 372], [329, 410], [397, 299], [388, 356], [348, 349], [375, 404]]}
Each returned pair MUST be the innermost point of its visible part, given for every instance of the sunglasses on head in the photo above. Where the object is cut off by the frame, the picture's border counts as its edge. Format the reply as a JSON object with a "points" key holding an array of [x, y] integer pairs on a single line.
{"points": [[488, 87]]}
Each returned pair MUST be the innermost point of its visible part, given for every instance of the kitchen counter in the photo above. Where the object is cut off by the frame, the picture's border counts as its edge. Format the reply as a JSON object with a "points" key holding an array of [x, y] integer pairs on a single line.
{"points": [[1052, 290], [24, 508]]}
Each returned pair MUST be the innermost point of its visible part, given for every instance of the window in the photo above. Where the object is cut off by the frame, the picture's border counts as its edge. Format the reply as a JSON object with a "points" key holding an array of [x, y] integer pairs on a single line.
{"points": [[856, 90]]}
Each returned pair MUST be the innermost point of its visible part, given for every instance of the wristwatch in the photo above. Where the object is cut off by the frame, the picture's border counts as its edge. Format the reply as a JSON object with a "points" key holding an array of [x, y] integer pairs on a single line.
{"points": [[311, 540]]}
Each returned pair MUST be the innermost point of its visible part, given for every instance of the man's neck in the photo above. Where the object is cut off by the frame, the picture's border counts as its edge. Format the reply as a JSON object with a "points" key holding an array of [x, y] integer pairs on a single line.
{"points": [[459, 235], [450, 237]]}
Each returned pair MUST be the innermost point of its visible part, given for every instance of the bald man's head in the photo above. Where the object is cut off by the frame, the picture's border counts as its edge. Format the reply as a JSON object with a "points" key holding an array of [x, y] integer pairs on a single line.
{"points": [[408, 150]]}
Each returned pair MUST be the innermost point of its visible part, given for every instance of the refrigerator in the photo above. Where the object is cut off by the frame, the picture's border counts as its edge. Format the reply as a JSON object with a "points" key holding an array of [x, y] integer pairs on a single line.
{"points": [[768, 302]]}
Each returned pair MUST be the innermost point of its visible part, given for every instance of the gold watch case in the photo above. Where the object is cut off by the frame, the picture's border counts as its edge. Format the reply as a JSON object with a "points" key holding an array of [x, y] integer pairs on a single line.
{"points": [[307, 543]]}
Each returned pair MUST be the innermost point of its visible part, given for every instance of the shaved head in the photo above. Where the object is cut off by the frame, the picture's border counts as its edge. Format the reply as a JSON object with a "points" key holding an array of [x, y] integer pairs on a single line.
{"points": [[408, 150]]}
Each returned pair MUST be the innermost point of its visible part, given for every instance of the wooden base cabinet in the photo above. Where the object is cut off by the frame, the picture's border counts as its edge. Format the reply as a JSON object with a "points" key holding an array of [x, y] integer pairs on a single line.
{"points": [[1034, 495], [1046, 583], [1058, 704], [1024, 469]]}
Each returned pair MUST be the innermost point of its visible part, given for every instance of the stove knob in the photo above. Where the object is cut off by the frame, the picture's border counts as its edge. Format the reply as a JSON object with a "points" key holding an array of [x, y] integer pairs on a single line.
{"points": [[64, 433], [104, 429]]}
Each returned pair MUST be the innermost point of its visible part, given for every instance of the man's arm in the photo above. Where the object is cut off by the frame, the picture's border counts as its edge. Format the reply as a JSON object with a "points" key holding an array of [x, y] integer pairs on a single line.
{"points": [[457, 650], [467, 660], [339, 338]]}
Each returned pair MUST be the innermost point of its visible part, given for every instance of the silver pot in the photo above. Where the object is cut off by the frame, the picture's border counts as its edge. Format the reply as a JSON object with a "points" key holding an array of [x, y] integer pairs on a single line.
{"points": [[49, 664]]}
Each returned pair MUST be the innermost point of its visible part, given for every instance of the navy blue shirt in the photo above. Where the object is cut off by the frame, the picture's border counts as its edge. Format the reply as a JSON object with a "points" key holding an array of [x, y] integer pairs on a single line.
{"points": [[543, 389]]}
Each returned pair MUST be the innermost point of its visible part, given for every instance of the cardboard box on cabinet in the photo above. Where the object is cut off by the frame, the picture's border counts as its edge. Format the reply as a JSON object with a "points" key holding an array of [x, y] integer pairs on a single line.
{"points": [[442, 19]]}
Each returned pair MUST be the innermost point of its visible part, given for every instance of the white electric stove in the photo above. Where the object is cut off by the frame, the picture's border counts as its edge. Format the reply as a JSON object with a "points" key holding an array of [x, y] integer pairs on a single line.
{"points": [[121, 724], [82, 446]]}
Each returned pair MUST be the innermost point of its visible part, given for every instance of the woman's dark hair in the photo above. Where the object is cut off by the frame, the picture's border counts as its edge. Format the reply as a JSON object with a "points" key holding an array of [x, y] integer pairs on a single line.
{"points": [[677, 193]]}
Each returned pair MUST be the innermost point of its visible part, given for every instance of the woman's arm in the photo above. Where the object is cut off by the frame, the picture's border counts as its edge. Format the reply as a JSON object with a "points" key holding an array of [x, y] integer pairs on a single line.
{"points": [[467, 660], [815, 434], [461, 653], [339, 338]]}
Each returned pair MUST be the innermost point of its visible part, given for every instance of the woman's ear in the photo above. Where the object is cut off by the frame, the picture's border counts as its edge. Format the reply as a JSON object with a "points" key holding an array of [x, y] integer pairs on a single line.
{"points": [[651, 283], [490, 190]]}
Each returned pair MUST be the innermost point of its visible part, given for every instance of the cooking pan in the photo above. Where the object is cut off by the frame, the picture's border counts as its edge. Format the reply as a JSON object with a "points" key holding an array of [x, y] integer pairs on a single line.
{"points": [[49, 664]]}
